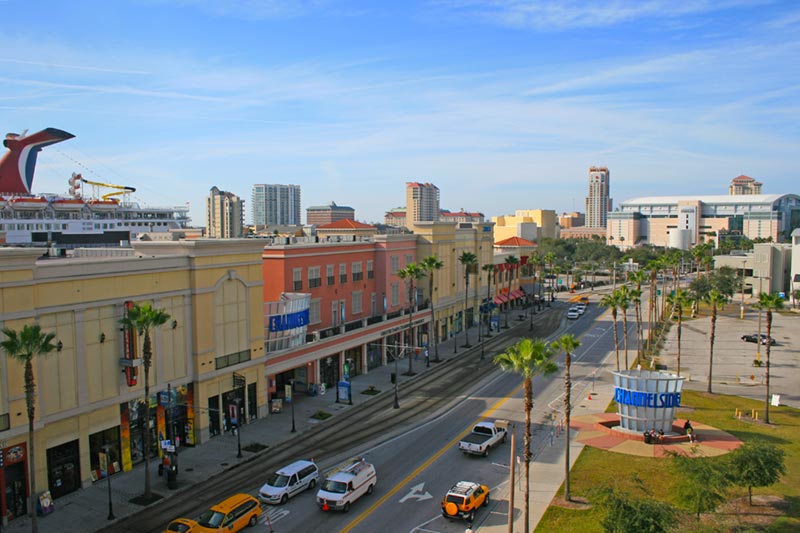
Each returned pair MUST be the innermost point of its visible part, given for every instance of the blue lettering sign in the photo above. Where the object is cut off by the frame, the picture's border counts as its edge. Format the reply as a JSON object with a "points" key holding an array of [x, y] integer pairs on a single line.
{"points": [[653, 400], [290, 321]]}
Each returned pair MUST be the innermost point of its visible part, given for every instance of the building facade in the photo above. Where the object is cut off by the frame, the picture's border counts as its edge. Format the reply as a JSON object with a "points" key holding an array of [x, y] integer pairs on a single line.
{"points": [[461, 216], [422, 203], [224, 215], [744, 185], [276, 205], [683, 221], [598, 203], [571, 220], [530, 224], [325, 214]]}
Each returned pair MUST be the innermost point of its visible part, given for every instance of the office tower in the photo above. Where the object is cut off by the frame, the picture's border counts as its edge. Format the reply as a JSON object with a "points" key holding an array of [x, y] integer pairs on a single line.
{"points": [[276, 205], [744, 185], [422, 202], [598, 203], [317, 215], [224, 215]]}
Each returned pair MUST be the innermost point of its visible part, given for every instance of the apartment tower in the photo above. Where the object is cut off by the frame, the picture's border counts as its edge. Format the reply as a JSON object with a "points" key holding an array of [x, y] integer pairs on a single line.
{"points": [[422, 202], [276, 205], [598, 203], [224, 215], [317, 215]]}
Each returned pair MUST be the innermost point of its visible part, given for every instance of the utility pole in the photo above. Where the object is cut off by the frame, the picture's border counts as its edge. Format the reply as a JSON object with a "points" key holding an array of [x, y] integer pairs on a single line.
{"points": [[511, 484]]}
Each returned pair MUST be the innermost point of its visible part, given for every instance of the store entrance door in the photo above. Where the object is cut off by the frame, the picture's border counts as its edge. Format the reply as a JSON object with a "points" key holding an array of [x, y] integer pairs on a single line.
{"points": [[63, 469]]}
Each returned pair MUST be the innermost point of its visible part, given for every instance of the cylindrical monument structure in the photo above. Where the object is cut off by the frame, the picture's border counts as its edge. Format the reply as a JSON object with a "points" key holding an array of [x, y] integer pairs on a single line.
{"points": [[647, 399]]}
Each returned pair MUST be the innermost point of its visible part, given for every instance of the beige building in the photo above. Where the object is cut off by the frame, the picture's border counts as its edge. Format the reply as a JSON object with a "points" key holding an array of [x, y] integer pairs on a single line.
{"points": [[346, 229], [530, 224], [422, 203], [766, 269], [744, 185], [90, 390], [571, 220], [582, 232], [224, 215], [598, 203]]}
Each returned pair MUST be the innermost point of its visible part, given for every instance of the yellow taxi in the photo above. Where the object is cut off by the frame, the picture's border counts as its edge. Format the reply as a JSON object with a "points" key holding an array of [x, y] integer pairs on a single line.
{"points": [[231, 515], [463, 499]]}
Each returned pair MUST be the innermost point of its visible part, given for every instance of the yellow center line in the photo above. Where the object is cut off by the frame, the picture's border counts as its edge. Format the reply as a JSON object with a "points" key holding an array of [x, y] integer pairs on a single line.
{"points": [[405, 481]]}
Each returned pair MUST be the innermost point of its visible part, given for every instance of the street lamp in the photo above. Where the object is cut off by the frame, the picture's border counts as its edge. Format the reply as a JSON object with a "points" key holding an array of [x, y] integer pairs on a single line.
{"points": [[758, 344], [107, 450], [239, 427], [396, 379], [741, 307], [291, 400]]}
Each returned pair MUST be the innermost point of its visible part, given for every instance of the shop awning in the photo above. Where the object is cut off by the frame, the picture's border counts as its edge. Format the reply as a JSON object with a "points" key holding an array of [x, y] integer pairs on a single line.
{"points": [[500, 299], [516, 294]]}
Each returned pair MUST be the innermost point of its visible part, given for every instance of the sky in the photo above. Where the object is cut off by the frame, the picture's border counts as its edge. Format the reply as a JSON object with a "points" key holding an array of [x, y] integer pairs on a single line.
{"points": [[503, 105]]}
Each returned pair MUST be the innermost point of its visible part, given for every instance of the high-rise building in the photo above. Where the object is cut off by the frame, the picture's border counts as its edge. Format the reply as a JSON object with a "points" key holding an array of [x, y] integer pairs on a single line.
{"points": [[598, 203], [744, 185], [224, 215], [318, 215], [276, 205], [422, 202]]}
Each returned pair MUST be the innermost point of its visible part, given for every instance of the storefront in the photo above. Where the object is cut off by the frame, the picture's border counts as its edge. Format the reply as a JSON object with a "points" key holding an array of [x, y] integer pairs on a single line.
{"points": [[374, 355], [64, 469], [353, 362], [14, 479], [97, 442], [330, 371]]}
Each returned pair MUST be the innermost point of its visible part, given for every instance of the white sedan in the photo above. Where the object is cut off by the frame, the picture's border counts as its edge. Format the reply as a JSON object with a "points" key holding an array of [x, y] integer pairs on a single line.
{"points": [[573, 313]]}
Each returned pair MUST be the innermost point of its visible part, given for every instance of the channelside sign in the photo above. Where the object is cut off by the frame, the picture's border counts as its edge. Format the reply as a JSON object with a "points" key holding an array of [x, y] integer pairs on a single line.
{"points": [[656, 400], [288, 321]]}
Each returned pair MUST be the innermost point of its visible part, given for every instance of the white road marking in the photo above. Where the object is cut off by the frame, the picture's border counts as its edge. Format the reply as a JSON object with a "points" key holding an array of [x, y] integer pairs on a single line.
{"points": [[416, 493]]}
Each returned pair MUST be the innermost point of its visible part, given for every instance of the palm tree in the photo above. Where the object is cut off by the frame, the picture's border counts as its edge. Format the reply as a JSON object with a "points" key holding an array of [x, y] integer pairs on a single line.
{"points": [[511, 262], [624, 302], [411, 274], [715, 299], [638, 277], [489, 269], [610, 300], [23, 346], [569, 344], [143, 318], [769, 302], [430, 265], [527, 358], [678, 300], [470, 262], [550, 258]]}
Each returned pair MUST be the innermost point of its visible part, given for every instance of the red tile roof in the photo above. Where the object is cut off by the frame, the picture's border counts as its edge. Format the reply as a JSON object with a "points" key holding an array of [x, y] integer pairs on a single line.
{"points": [[515, 241], [346, 224]]}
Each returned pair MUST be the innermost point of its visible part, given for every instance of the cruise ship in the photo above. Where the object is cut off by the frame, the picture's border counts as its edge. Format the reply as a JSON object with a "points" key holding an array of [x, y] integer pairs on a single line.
{"points": [[106, 217]]}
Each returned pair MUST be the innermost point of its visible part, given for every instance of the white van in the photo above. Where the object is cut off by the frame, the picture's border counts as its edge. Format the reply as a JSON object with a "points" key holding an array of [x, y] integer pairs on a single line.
{"points": [[345, 486], [288, 481]]}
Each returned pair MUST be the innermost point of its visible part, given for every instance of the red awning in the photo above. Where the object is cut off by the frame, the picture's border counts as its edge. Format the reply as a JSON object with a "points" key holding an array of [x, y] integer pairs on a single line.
{"points": [[519, 293], [500, 299]]}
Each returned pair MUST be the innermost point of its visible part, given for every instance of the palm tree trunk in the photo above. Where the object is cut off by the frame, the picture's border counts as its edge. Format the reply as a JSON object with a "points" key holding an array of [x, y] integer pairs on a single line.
{"points": [[30, 399], [527, 449], [680, 322], [567, 413], [625, 336], [769, 345], [147, 356], [639, 336], [711, 343], [616, 341]]}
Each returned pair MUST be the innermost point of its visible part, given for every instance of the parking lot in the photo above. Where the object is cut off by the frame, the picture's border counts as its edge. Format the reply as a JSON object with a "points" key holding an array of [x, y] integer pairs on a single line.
{"points": [[734, 371]]}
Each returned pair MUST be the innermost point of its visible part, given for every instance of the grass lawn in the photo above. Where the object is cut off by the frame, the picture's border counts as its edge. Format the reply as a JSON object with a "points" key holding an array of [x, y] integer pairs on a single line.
{"points": [[655, 478]]}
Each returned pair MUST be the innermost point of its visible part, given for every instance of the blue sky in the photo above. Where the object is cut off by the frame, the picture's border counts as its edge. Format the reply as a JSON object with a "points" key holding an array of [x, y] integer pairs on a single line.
{"points": [[502, 104]]}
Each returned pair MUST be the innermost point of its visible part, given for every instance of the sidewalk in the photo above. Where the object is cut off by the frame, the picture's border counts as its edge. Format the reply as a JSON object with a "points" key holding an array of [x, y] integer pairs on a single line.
{"points": [[87, 509]]}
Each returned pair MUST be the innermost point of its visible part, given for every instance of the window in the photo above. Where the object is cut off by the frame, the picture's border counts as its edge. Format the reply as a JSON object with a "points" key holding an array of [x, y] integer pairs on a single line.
{"points": [[357, 303], [314, 277], [314, 312], [334, 312], [297, 277], [342, 273], [329, 273], [232, 359], [370, 269], [358, 275], [395, 264], [395, 294], [409, 259]]}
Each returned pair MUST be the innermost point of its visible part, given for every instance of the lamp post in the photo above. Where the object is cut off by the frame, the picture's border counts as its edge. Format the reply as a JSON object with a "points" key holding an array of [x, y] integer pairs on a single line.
{"points": [[238, 428], [107, 450], [396, 379], [758, 343], [291, 400], [741, 306]]}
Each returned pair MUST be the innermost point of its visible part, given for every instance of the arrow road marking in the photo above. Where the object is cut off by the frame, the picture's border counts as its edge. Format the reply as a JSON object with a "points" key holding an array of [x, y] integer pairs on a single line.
{"points": [[416, 492]]}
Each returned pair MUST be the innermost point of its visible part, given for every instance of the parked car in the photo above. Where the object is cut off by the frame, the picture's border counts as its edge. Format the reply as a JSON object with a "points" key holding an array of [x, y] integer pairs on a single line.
{"points": [[289, 481], [573, 313], [754, 338], [463, 499], [230, 515], [342, 488], [484, 436]]}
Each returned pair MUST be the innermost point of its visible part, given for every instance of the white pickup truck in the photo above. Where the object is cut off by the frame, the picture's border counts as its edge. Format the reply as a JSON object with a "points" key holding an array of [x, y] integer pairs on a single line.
{"points": [[484, 436]]}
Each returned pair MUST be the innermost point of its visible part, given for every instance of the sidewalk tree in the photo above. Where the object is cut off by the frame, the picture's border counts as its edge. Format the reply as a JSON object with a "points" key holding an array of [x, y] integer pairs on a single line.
{"points": [[769, 302], [678, 301], [638, 277], [527, 357], [430, 265], [624, 302], [470, 262], [23, 346], [144, 318], [610, 301], [702, 483], [757, 464], [716, 300], [511, 262], [568, 343], [623, 513], [411, 274], [489, 269]]}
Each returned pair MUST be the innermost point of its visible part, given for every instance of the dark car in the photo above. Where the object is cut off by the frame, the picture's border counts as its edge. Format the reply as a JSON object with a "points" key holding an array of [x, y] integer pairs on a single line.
{"points": [[754, 338]]}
